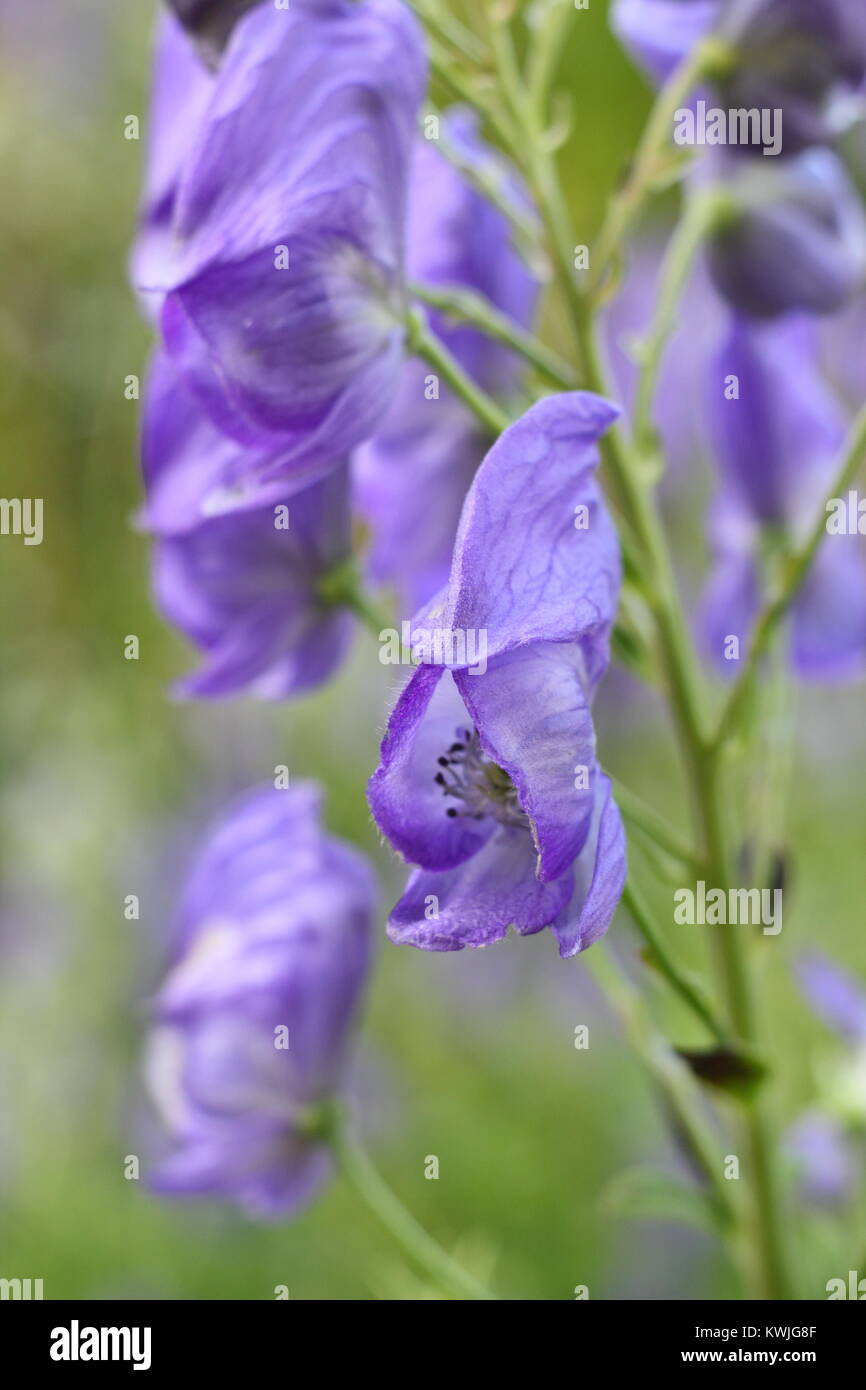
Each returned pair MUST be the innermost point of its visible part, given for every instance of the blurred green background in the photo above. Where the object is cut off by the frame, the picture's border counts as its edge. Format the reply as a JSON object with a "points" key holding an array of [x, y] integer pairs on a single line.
{"points": [[106, 782]]}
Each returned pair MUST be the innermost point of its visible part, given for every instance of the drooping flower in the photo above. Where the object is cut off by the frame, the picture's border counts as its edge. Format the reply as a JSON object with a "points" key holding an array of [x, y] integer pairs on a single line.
{"points": [[413, 474], [488, 779], [284, 302], [797, 240], [246, 589], [806, 58], [777, 432], [253, 1023]]}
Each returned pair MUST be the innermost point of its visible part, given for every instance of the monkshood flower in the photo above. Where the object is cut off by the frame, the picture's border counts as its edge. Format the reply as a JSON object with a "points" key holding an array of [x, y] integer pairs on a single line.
{"points": [[797, 239], [488, 781], [776, 431], [413, 475], [246, 588], [284, 303], [253, 1023], [805, 59]]}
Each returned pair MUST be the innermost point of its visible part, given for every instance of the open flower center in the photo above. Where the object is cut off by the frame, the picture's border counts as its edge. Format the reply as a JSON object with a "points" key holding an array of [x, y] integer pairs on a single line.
{"points": [[474, 786]]}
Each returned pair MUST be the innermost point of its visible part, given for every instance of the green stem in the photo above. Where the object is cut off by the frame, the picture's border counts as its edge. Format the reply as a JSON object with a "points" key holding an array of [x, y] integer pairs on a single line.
{"points": [[689, 992], [491, 181], [794, 572], [706, 58], [669, 1073], [342, 588], [631, 486], [425, 344], [704, 213], [419, 1247], [451, 30], [654, 826], [469, 307]]}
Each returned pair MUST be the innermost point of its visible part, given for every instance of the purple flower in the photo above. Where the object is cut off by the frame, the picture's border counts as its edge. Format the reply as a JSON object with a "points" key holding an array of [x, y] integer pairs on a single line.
{"points": [[245, 588], [777, 447], [488, 779], [834, 995], [824, 1157], [284, 297], [806, 58], [254, 1020], [413, 475], [798, 240]]}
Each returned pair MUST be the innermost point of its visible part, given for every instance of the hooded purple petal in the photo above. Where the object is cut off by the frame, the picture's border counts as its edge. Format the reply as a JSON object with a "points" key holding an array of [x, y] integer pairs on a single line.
{"points": [[536, 557]]}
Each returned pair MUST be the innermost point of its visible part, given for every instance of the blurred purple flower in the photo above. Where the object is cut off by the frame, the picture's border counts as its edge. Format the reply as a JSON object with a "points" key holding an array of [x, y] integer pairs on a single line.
{"points": [[806, 58], [254, 1020], [837, 997], [659, 33], [411, 480], [284, 291], [413, 475], [245, 589], [477, 783], [823, 1156], [777, 445], [182, 88], [798, 241]]}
